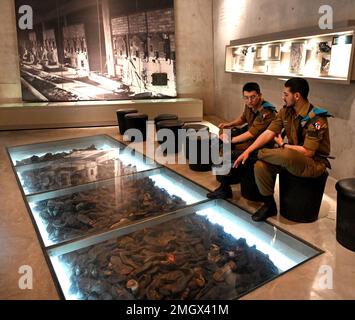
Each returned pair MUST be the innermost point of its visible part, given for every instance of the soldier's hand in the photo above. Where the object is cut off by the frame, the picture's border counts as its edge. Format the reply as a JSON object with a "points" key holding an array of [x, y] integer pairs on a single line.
{"points": [[222, 125], [241, 159], [279, 140]]}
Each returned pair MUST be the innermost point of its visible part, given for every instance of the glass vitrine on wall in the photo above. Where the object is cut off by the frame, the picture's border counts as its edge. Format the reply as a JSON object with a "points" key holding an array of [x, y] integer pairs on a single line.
{"points": [[311, 53], [144, 233]]}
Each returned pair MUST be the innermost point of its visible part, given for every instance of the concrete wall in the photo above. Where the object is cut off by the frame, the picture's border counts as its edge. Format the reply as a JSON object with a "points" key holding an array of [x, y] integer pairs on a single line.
{"points": [[194, 51], [10, 89], [240, 19]]}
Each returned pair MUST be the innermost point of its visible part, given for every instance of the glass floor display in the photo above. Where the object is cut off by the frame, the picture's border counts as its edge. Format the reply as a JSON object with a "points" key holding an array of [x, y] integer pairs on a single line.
{"points": [[56, 165], [131, 229]]}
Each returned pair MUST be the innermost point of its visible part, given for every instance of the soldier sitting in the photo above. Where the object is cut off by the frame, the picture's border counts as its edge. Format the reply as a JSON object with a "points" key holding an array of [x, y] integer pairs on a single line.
{"points": [[303, 155], [257, 114]]}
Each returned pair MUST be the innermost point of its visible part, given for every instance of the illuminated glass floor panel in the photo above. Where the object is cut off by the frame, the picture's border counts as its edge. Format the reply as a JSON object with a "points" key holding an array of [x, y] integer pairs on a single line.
{"points": [[214, 253], [106, 205], [60, 164], [135, 230]]}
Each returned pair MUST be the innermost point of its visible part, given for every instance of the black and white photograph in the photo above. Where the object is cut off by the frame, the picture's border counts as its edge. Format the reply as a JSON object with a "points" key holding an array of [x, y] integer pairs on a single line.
{"points": [[82, 50]]}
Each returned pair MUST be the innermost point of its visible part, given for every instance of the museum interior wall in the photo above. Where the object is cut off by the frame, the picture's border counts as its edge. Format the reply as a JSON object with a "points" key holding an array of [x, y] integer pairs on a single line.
{"points": [[10, 85], [194, 53], [242, 19]]}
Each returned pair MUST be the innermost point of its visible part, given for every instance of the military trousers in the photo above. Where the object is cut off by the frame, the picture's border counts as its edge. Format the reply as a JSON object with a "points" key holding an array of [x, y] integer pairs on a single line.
{"points": [[272, 161]]}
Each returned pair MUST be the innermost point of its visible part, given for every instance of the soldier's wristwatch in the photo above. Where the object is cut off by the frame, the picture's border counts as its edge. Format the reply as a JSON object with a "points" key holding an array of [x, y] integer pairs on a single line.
{"points": [[283, 145]]}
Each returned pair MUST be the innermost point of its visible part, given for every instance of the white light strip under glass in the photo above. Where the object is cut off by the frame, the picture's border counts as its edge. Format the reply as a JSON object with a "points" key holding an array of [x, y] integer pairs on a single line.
{"points": [[170, 185], [233, 227], [63, 274]]}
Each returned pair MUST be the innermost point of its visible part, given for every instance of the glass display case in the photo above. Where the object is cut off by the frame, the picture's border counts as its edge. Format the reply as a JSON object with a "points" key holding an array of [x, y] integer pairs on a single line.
{"points": [[148, 233], [70, 213], [216, 252], [311, 53], [60, 164]]}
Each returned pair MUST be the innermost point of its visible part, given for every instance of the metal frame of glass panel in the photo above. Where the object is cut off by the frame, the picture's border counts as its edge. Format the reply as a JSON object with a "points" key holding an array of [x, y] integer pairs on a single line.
{"points": [[271, 239]]}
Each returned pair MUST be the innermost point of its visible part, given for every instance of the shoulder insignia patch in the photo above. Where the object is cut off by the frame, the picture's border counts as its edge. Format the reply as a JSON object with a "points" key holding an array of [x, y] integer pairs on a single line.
{"points": [[315, 112], [317, 125], [268, 106]]}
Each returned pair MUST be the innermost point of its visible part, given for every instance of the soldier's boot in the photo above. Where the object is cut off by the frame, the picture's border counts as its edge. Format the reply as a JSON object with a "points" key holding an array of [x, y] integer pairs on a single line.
{"points": [[224, 191], [268, 209]]}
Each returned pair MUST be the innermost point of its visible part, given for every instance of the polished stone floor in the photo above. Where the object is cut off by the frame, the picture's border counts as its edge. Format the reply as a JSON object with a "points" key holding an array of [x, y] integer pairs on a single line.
{"points": [[328, 276]]}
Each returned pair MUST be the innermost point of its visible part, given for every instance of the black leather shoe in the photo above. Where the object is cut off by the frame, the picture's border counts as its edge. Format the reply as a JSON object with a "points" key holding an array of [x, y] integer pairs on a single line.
{"points": [[223, 192], [269, 209]]}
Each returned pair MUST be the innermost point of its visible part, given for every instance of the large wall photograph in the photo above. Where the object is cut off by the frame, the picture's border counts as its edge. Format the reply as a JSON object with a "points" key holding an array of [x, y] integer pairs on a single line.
{"points": [[83, 50]]}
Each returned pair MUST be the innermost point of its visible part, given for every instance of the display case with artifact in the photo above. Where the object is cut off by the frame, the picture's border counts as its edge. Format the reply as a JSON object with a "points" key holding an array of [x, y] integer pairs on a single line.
{"points": [[102, 206], [311, 53], [340, 56], [215, 253], [144, 233], [55, 165], [297, 57]]}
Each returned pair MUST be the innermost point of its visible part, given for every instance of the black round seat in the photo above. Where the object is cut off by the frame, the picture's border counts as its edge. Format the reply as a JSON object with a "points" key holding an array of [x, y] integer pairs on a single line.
{"points": [[163, 117], [121, 118], [301, 198], [137, 121], [195, 126], [200, 158], [345, 228], [174, 126], [192, 129], [167, 124]]}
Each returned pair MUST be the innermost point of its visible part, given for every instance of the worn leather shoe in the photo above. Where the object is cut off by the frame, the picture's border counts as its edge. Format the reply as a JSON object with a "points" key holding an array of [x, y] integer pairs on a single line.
{"points": [[269, 209], [222, 192]]}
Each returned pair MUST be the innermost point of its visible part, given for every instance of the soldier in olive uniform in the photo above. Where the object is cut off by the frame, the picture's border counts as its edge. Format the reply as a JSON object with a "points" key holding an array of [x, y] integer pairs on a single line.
{"points": [[257, 114], [303, 155]]}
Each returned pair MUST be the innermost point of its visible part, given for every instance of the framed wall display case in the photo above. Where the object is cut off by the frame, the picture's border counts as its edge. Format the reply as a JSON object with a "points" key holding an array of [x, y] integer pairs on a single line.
{"points": [[312, 53]]}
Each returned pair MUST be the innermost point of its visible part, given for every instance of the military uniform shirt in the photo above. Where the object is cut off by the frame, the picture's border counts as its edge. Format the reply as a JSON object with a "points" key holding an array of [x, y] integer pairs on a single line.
{"points": [[313, 136], [258, 121]]}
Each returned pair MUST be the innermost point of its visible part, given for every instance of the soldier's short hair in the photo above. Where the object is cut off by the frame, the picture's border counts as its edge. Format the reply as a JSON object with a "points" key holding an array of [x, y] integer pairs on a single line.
{"points": [[251, 86], [299, 85]]}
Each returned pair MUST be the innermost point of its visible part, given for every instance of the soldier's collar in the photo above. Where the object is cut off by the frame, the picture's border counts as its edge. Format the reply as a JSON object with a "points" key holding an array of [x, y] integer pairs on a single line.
{"points": [[259, 108], [304, 110]]}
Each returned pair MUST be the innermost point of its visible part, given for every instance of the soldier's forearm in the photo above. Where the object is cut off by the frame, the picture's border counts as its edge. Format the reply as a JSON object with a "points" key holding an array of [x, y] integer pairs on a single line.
{"points": [[263, 139], [306, 152], [237, 122], [243, 137]]}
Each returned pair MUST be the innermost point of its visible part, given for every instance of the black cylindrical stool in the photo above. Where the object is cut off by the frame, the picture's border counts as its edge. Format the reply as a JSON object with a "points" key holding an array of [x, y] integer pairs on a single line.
{"points": [[137, 121], [163, 117], [121, 118], [174, 126], [345, 230], [193, 128], [301, 198], [200, 158], [248, 186]]}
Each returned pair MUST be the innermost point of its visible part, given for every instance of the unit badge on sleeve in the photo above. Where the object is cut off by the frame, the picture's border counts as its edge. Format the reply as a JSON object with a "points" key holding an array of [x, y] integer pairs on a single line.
{"points": [[317, 125]]}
